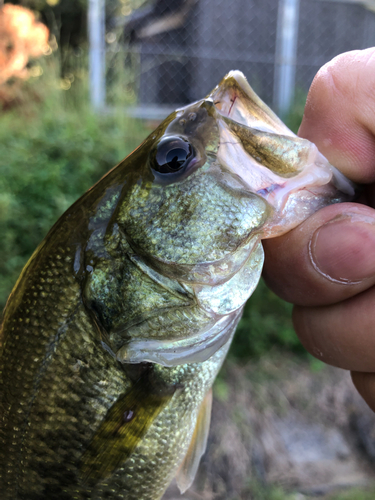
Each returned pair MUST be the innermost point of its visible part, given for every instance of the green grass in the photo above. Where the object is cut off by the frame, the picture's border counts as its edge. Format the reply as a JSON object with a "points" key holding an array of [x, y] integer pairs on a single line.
{"points": [[258, 491], [354, 494]]}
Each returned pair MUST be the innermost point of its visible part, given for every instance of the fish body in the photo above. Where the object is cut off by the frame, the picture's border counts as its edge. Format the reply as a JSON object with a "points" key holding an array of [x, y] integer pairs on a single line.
{"points": [[115, 331]]}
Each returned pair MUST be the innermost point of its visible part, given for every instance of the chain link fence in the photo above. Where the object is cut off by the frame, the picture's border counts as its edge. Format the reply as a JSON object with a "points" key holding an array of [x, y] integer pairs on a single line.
{"points": [[328, 28], [166, 53]]}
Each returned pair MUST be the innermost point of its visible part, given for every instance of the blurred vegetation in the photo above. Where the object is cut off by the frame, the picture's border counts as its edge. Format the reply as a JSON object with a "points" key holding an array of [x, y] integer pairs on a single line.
{"points": [[294, 118], [52, 149], [266, 323], [353, 494], [66, 20]]}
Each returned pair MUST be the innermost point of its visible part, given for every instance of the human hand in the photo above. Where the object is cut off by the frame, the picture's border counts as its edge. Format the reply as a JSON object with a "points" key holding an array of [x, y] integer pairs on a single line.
{"points": [[326, 266]]}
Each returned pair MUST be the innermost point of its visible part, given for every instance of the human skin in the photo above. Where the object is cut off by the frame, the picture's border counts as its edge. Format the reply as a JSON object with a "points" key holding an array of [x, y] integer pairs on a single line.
{"points": [[326, 266]]}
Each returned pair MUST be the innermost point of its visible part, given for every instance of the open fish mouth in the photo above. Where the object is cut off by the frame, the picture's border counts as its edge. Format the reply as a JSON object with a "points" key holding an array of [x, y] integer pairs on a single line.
{"points": [[287, 171]]}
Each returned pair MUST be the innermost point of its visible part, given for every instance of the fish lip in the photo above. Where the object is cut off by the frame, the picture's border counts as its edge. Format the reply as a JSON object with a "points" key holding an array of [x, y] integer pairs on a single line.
{"points": [[235, 99]]}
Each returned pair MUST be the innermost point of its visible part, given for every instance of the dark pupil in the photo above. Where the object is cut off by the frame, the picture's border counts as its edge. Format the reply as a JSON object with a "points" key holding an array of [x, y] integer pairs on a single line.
{"points": [[176, 158], [172, 155]]}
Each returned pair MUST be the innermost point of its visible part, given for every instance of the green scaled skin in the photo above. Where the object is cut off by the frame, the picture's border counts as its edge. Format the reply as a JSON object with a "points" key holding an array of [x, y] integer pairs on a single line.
{"points": [[120, 321]]}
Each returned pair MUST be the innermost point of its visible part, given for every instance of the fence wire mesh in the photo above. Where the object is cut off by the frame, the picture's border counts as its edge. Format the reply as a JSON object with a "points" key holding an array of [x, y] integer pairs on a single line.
{"points": [[328, 28], [164, 53]]}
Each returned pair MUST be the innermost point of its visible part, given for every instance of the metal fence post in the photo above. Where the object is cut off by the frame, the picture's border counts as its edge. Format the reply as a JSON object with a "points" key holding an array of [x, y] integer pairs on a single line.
{"points": [[96, 29], [286, 55]]}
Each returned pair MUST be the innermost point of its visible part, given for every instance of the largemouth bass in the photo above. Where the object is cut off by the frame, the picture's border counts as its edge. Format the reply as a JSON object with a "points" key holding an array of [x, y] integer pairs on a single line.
{"points": [[114, 333]]}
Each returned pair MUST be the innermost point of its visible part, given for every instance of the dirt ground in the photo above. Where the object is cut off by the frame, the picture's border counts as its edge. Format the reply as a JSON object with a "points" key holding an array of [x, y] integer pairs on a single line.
{"points": [[284, 428]]}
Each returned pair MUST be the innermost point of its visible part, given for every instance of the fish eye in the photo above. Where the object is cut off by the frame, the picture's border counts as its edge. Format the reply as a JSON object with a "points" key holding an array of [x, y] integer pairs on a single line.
{"points": [[172, 155]]}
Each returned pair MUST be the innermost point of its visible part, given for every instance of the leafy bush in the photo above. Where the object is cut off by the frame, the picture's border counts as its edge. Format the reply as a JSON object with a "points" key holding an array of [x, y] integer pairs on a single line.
{"points": [[49, 156]]}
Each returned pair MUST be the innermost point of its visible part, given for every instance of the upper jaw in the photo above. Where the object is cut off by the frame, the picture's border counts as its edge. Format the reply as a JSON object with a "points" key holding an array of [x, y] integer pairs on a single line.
{"points": [[235, 99]]}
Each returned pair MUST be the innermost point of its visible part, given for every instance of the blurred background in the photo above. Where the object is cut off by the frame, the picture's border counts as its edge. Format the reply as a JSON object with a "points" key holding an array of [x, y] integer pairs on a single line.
{"points": [[82, 83]]}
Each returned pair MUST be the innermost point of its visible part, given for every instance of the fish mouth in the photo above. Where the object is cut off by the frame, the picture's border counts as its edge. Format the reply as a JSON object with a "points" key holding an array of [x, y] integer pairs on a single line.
{"points": [[235, 99], [287, 171]]}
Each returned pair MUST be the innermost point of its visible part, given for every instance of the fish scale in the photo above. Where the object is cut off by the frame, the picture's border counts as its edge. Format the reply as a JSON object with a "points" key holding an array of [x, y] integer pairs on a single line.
{"points": [[117, 327], [51, 446]]}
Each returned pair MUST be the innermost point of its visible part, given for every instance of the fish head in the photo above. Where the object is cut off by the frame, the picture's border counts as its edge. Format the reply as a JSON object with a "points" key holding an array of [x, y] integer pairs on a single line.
{"points": [[188, 215], [194, 202], [215, 178]]}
